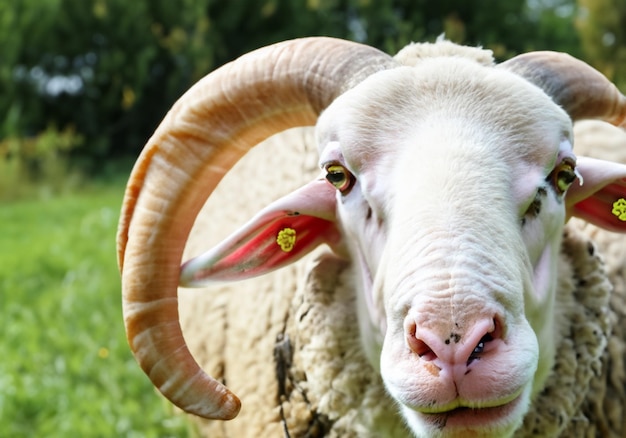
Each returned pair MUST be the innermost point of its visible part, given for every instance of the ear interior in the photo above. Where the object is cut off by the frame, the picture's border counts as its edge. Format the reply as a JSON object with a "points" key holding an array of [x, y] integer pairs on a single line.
{"points": [[280, 234], [601, 200], [606, 208]]}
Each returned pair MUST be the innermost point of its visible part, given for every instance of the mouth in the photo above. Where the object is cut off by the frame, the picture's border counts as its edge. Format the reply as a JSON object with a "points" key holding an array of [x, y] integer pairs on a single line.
{"points": [[463, 417]]}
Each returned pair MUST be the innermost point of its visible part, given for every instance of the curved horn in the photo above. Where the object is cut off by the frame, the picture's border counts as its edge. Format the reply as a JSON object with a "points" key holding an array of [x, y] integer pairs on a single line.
{"points": [[581, 90], [212, 125]]}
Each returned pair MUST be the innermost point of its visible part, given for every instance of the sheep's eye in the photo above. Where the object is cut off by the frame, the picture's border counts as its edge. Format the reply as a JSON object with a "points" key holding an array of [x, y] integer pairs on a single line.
{"points": [[339, 177], [563, 175]]}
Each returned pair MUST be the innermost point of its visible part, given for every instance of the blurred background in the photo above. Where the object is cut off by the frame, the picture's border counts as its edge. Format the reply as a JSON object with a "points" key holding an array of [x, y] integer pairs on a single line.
{"points": [[83, 84]]}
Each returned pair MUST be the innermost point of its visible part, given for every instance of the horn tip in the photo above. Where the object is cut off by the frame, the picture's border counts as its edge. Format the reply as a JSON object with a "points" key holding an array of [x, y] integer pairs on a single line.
{"points": [[231, 407], [227, 408]]}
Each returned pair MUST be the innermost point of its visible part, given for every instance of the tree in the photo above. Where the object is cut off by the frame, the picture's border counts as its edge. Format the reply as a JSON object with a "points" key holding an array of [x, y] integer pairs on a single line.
{"points": [[109, 69], [602, 28]]}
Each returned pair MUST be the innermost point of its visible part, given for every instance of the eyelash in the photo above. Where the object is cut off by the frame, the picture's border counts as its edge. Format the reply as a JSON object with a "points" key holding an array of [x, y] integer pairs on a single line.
{"points": [[534, 209], [560, 179]]}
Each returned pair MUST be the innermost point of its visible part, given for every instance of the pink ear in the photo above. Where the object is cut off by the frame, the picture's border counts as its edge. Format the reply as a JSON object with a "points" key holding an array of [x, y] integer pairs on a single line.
{"points": [[601, 200], [278, 235]]}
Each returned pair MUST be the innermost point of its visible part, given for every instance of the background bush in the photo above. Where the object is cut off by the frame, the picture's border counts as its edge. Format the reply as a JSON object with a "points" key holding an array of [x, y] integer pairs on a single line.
{"points": [[110, 69], [38, 165]]}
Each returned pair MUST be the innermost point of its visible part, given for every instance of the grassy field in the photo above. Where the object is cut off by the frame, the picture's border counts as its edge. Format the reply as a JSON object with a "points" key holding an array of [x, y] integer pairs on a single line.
{"points": [[65, 366]]}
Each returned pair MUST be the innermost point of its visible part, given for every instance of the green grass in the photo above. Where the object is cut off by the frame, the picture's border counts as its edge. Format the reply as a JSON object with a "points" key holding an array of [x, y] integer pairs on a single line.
{"points": [[65, 366]]}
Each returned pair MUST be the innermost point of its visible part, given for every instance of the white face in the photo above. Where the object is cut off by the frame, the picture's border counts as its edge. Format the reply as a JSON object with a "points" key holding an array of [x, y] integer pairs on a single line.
{"points": [[451, 198]]}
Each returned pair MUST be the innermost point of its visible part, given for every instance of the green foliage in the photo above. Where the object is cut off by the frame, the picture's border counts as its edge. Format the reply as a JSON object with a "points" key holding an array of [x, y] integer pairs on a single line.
{"points": [[37, 166], [602, 27], [66, 368], [510, 27], [507, 28], [111, 68]]}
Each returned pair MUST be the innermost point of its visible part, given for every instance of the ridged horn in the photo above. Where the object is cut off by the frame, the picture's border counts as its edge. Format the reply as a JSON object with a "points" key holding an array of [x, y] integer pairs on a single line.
{"points": [[212, 125], [581, 90]]}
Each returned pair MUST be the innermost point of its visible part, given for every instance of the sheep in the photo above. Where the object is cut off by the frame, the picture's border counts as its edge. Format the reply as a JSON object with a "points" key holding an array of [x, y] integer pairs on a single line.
{"points": [[446, 182], [338, 403]]}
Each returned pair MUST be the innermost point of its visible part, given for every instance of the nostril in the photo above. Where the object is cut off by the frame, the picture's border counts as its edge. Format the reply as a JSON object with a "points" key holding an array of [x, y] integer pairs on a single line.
{"points": [[418, 346], [480, 348], [422, 349], [483, 343], [465, 347]]}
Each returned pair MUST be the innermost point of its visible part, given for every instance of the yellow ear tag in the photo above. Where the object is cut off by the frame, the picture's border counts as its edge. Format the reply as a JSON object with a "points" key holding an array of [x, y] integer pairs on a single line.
{"points": [[286, 239], [619, 209]]}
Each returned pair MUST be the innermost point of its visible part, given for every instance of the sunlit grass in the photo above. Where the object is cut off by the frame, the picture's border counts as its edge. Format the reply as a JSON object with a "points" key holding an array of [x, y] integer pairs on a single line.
{"points": [[65, 367]]}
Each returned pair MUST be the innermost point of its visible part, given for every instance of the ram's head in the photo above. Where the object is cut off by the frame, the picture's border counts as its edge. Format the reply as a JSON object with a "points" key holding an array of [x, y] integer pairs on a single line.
{"points": [[446, 183]]}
